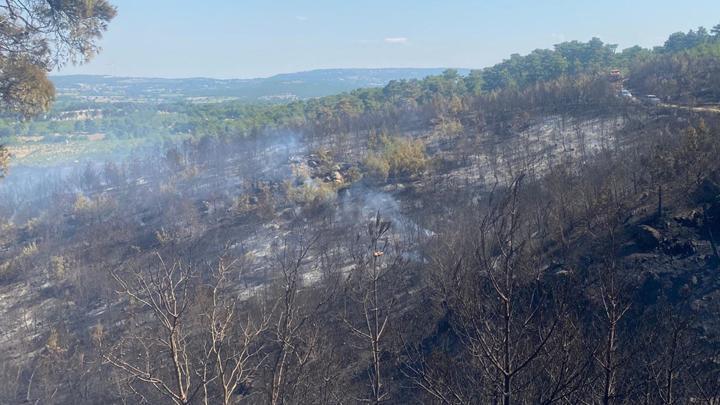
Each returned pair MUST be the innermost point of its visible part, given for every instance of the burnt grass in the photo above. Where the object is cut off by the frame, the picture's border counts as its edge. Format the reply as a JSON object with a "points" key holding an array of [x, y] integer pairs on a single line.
{"points": [[237, 204]]}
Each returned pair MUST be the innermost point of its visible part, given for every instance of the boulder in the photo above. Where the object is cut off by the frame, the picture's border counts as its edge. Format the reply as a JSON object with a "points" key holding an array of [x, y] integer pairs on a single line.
{"points": [[338, 177], [689, 218]]}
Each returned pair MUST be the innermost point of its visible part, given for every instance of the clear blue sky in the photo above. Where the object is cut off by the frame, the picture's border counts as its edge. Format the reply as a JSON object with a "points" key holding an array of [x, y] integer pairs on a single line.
{"points": [[250, 38]]}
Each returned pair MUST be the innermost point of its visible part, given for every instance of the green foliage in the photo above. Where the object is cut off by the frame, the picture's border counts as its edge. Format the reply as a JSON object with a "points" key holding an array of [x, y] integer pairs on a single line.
{"points": [[397, 157], [570, 78], [377, 169], [37, 36], [685, 76], [24, 87], [312, 192], [568, 58], [406, 157], [353, 175], [681, 41]]}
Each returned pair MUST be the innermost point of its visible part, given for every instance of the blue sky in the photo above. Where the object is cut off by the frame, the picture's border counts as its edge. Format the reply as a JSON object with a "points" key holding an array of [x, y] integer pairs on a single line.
{"points": [[249, 38]]}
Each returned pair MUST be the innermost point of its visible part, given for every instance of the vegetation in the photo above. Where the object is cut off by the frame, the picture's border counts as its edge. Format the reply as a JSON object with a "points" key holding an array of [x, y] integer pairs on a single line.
{"points": [[37, 36], [689, 75], [572, 75], [561, 247], [397, 158]]}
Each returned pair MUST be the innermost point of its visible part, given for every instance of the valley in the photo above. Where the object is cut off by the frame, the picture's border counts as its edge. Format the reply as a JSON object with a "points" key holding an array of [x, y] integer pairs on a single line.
{"points": [[528, 233]]}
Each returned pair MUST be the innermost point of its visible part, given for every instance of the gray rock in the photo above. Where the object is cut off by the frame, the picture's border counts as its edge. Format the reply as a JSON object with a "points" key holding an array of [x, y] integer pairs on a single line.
{"points": [[689, 218]]}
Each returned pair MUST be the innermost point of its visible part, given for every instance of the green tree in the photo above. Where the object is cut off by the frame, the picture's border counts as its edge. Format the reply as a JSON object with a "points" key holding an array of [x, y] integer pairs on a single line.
{"points": [[716, 31], [37, 36]]}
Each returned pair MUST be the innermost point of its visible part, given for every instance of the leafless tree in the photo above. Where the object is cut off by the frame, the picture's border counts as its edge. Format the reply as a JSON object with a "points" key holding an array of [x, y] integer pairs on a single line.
{"points": [[162, 360], [295, 333], [499, 306], [235, 345], [371, 299]]}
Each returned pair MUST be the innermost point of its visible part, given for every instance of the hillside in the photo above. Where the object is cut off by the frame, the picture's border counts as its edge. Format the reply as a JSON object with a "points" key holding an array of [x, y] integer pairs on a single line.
{"points": [[279, 88], [254, 215], [526, 233], [571, 75]]}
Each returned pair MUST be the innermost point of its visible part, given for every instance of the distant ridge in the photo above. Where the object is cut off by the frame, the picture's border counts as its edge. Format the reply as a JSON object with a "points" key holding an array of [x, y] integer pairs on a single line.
{"points": [[278, 88]]}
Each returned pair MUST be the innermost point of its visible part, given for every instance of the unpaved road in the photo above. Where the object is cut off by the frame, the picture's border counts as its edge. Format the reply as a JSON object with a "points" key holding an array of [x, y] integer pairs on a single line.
{"points": [[715, 109]]}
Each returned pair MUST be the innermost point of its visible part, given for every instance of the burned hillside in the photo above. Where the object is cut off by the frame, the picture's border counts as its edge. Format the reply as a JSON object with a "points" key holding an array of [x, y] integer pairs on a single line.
{"points": [[368, 264]]}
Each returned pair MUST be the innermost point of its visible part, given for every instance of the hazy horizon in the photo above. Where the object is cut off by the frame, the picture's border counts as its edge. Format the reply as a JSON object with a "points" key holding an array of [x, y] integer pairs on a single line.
{"points": [[63, 74], [221, 39]]}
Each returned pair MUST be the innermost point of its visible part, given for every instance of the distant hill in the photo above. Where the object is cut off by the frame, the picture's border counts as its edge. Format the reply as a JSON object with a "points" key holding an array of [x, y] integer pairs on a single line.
{"points": [[283, 87]]}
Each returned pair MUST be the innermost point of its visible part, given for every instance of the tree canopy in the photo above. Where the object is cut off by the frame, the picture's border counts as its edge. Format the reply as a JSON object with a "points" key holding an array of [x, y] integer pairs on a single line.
{"points": [[37, 36]]}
